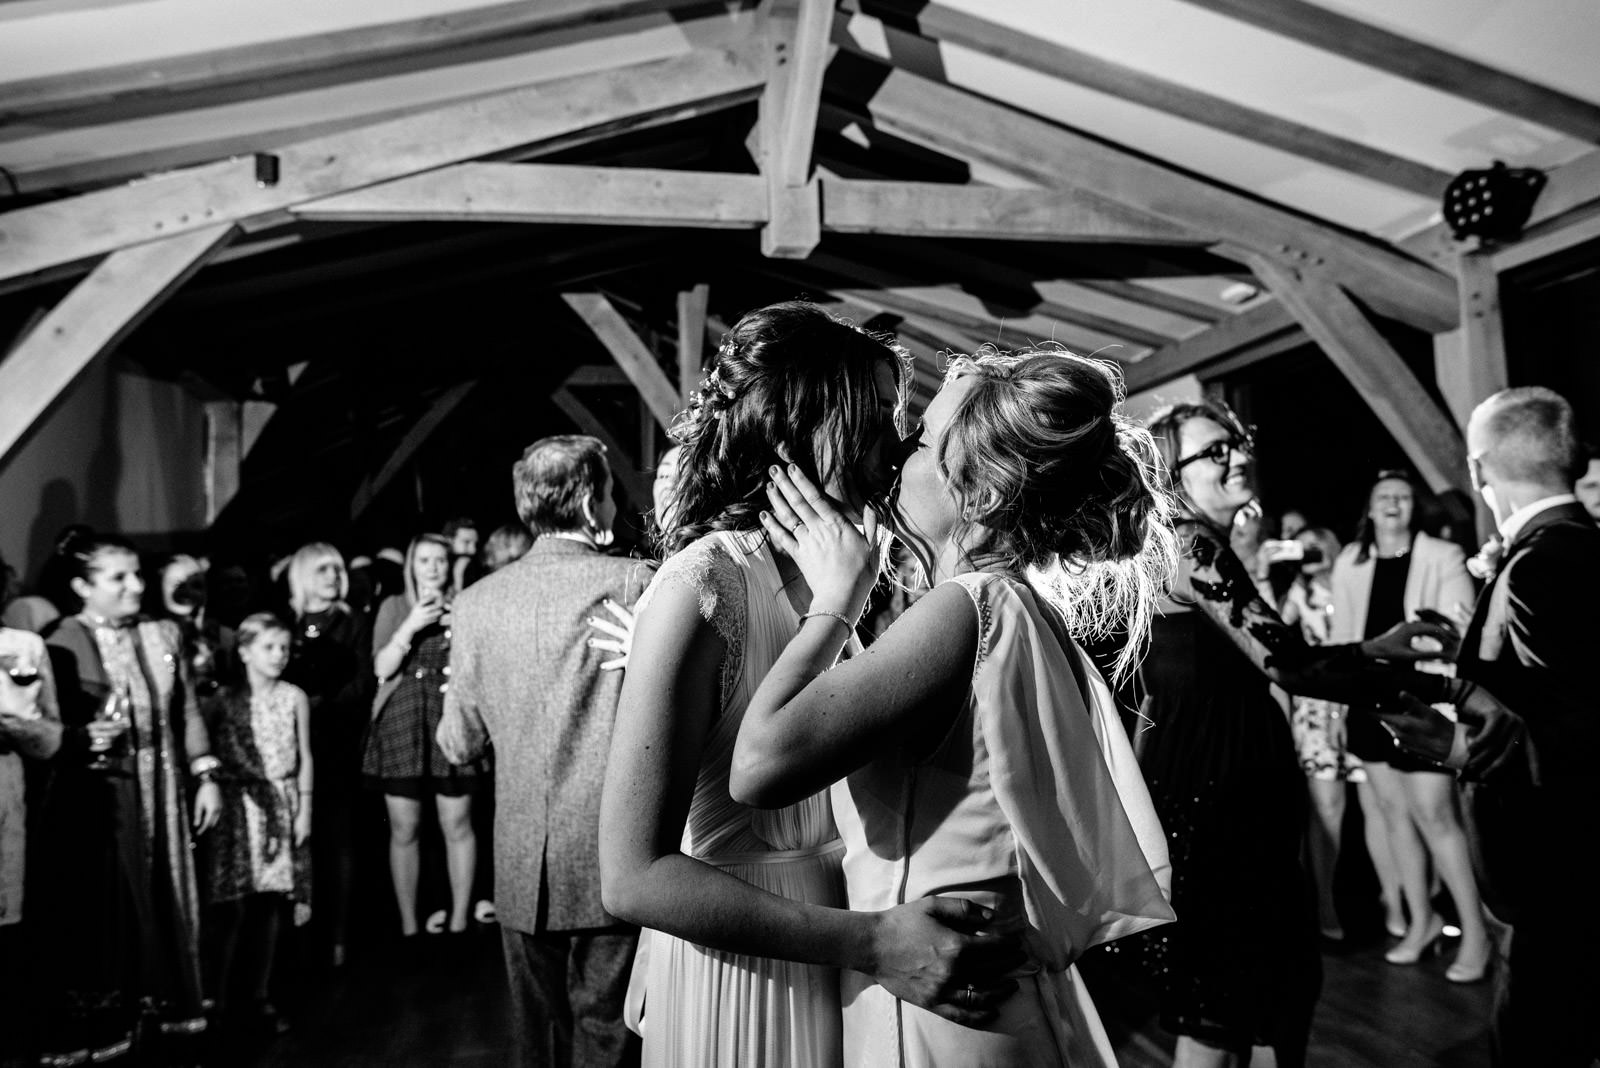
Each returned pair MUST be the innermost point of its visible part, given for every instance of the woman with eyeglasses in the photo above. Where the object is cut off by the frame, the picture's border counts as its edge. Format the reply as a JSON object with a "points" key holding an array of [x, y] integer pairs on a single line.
{"points": [[1240, 970], [1389, 573]]}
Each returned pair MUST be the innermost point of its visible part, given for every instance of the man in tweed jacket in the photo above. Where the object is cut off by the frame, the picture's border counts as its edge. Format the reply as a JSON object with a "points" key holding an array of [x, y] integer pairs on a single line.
{"points": [[524, 676]]}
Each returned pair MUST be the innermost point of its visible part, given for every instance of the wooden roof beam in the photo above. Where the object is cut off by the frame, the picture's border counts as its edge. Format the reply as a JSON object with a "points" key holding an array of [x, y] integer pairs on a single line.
{"points": [[631, 353], [555, 193], [949, 25], [1194, 354], [1415, 61], [935, 209], [251, 63], [624, 467], [797, 34], [593, 105], [100, 311], [691, 339], [966, 126], [1377, 372], [415, 438]]}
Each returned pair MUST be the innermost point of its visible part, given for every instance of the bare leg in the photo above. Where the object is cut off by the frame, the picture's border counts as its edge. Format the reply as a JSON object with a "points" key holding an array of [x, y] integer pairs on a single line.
{"points": [[1432, 797], [1411, 861], [405, 861], [461, 855], [1327, 821], [1376, 833]]}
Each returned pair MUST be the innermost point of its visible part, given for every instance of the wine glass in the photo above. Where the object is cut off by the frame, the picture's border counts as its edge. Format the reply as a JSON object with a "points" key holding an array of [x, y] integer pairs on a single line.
{"points": [[114, 709]]}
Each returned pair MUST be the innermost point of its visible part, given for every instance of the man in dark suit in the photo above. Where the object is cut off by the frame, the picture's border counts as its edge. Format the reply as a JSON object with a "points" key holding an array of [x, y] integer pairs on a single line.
{"points": [[1534, 809], [524, 675]]}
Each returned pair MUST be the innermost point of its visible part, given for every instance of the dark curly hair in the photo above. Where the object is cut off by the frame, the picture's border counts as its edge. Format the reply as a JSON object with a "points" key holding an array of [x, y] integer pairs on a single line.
{"points": [[790, 380], [1062, 486]]}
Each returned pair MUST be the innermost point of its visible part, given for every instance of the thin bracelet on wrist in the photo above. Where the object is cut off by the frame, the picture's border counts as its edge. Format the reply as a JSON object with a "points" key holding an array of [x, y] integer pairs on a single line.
{"points": [[840, 616]]}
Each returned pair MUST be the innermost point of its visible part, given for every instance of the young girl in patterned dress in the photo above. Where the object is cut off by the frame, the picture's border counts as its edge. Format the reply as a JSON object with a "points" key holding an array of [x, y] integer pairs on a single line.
{"points": [[259, 862]]}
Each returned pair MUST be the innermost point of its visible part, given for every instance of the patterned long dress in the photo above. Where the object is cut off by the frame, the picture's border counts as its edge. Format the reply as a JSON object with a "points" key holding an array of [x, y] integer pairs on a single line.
{"points": [[252, 848], [119, 878]]}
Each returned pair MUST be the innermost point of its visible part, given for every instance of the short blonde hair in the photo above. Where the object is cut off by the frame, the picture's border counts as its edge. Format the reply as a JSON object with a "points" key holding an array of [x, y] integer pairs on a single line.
{"points": [[304, 564]]}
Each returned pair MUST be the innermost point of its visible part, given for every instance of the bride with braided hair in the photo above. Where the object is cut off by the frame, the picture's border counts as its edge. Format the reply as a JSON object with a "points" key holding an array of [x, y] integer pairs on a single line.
{"points": [[974, 750], [744, 908]]}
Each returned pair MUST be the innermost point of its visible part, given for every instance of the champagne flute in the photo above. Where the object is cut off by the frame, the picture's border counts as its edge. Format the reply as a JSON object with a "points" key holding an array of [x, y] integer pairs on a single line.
{"points": [[114, 709]]}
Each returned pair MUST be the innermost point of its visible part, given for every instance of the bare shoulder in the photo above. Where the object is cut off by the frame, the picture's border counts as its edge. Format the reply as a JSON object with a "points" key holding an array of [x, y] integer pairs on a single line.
{"points": [[942, 625]]}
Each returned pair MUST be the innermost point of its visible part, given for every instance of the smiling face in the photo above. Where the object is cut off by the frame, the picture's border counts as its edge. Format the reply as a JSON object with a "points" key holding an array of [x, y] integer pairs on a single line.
{"points": [[430, 567], [268, 654], [1215, 489], [927, 510], [1390, 507], [113, 588]]}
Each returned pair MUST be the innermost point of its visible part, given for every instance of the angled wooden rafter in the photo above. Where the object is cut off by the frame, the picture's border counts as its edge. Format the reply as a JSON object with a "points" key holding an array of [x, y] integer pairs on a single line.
{"points": [[255, 62], [933, 209], [631, 354], [415, 438], [948, 25], [588, 105], [99, 312], [1416, 61], [635, 490], [555, 193], [1327, 313], [1196, 353], [965, 126]]}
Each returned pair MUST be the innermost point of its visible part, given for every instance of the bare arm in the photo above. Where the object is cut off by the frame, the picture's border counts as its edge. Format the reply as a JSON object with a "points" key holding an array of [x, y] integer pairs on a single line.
{"points": [[669, 699], [810, 725]]}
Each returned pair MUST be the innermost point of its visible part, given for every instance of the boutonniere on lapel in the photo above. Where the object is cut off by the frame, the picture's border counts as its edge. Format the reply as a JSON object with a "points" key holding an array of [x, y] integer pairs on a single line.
{"points": [[1482, 566]]}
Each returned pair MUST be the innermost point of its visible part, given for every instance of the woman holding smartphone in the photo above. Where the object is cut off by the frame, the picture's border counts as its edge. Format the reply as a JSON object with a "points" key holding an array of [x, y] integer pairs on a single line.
{"points": [[412, 642]]}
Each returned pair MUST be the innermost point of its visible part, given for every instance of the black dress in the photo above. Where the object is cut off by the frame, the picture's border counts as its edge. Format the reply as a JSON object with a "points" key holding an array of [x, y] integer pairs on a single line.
{"points": [[1385, 607], [1240, 967]]}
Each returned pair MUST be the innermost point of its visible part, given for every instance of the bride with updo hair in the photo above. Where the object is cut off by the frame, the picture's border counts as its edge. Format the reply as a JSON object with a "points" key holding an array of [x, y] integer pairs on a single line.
{"points": [[974, 750]]}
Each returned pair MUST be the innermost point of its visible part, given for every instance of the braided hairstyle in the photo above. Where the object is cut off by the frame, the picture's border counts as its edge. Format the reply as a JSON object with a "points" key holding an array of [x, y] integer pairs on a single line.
{"points": [[791, 383], [1058, 484]]}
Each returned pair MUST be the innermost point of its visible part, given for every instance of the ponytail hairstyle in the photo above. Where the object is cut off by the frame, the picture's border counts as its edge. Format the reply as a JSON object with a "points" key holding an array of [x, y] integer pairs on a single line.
{"points": [[790, 383], [1064, 487], [77, 551]]}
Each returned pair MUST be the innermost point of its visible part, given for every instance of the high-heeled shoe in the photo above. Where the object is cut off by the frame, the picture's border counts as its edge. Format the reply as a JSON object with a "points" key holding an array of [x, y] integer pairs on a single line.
{"points": [[1404, 954], [1464, 972]]}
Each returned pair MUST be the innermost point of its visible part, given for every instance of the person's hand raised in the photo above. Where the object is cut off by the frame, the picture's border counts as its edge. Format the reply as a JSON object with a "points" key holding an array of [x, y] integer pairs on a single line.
{"points": [[837, 560], [1400, 642]]}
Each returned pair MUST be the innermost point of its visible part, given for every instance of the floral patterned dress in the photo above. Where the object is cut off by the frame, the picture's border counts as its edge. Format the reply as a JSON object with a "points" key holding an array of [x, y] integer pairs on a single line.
{"points": [[252, 848], [1317, 724]]}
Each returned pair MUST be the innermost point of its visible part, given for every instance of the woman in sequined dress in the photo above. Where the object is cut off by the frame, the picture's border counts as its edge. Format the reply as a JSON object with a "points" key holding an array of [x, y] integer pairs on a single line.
{"points": [[1240, 970], [119, 894], [403, 758]]}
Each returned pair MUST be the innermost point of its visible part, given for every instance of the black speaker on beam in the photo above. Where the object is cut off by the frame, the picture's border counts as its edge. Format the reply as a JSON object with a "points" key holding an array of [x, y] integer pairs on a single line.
{"points": [[1493, 204]]}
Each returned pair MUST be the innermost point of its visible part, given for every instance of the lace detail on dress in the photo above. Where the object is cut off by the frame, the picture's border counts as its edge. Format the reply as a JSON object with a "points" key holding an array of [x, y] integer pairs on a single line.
{"points": [[719, 586]]}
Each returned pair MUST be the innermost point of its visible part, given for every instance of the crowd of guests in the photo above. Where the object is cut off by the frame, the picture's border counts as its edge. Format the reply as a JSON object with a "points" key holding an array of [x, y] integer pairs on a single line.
{"points": [[1098, 707]]}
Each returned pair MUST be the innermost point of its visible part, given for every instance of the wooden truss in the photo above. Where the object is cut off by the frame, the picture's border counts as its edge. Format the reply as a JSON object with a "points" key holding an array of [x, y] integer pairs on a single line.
{"points": [[469, 161]]}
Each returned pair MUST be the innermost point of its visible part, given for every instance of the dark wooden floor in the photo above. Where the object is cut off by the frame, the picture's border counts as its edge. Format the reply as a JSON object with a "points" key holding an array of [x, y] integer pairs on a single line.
{"points": [[447, 1006]]}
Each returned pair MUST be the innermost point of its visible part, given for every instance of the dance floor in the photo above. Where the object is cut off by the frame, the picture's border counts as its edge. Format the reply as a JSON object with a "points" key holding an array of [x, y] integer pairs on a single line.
{"points": [[447, 1006]]}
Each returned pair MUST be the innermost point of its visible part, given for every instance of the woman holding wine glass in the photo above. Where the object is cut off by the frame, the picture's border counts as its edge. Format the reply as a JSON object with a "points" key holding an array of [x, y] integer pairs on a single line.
{"points": [[118, 879]]}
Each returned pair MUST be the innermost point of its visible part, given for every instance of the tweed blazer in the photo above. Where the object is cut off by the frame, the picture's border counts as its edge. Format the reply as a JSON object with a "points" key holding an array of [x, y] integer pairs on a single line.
{"points": [[1437, 579], [520, 662]]}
